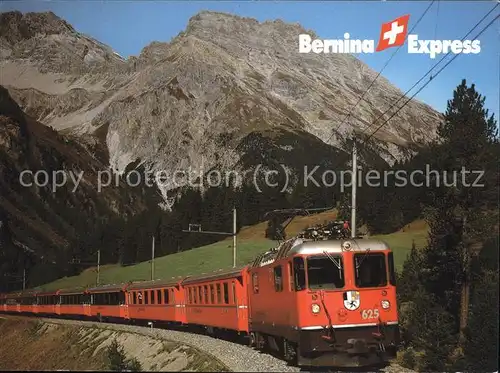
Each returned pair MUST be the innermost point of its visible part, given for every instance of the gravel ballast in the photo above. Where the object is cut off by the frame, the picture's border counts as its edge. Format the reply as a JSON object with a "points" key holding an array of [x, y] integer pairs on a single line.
{"points": [[236, 357]]}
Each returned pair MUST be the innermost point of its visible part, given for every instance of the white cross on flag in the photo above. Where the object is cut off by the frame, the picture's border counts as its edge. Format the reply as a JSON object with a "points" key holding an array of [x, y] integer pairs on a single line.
{"points": [[393, 33]]}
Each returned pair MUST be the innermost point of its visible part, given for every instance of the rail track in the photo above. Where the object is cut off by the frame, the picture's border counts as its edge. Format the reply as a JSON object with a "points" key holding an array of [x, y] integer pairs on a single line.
{"points": [[231, 351]]}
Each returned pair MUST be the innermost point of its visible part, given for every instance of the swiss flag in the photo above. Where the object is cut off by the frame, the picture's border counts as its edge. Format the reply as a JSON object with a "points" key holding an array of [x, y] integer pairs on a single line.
{"points": [[393, 33]]}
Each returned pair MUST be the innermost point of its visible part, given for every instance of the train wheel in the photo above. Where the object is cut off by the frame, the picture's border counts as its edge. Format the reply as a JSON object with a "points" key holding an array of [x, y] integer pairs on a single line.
{"points": [[252, 342], [289, 351], [259, 340]]}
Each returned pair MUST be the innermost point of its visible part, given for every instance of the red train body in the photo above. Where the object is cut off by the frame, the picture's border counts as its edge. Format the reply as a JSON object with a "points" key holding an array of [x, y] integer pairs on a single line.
{"points": [[319, 303], [218, 300]]}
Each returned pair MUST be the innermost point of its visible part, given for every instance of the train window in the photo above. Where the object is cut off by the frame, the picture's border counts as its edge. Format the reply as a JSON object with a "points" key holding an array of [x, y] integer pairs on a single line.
{"points": [[206, 296], [233, 290], [325, 272], [166, 294], [134, 297], [226, 293], [370, 270], [219, 297], [212, 294], [392, 272], [278, 279], [153, 300], [299, 274], [146, 297], [158, 296], [255, 283]]}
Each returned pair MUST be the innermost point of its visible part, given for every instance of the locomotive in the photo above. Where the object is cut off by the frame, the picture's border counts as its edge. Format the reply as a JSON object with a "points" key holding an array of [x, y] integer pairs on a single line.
{"points": [[317, 301], [325, 302]]}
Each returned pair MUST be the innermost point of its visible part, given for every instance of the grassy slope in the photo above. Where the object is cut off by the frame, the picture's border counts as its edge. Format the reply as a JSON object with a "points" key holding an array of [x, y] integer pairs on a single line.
{"points": [[219, 255]]}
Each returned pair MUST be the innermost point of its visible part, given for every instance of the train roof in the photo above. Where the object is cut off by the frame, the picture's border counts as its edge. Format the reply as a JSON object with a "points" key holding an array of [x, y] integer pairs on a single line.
{"points": [[46, 292], [28, 293], [218, 275], [108, 288], [300, 246], [75, 290], [338, 246], [154, 284]]}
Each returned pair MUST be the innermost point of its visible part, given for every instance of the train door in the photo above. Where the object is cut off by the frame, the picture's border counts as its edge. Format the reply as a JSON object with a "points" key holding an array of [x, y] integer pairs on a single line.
{"points": [[123, 305], [87, 310], [57, 304]]}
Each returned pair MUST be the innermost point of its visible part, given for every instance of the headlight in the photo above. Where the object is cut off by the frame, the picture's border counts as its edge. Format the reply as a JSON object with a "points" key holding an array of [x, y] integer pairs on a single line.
{"points": [[315, 308], [385, 304]]}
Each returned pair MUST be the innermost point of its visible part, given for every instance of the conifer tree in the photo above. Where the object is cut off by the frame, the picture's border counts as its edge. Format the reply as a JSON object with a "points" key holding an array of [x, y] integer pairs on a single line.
{"points": [[456, 213]]}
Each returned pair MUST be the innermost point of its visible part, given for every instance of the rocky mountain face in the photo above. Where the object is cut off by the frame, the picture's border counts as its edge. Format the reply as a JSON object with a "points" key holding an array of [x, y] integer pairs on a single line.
{"points": [[42, 216], [221, 92]]}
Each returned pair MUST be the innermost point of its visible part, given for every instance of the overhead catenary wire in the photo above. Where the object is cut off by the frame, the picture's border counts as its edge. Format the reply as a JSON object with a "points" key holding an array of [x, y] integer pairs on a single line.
{"points": [[349, 114], [432, 68], [436, 24], [426, 83], [425, 75]]}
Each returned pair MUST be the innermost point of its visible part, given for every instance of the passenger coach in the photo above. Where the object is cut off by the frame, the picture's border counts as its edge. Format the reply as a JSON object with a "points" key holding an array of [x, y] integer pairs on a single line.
{"points": [[156, 300], [218, 300]]}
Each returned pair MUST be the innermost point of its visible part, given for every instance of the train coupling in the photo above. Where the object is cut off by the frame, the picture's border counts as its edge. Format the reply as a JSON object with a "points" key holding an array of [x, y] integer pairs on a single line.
{"points": [[357, 346]]}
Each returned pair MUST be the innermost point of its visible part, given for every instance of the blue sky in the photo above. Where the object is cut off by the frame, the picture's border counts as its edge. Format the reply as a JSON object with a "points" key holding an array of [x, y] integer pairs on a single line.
{"points": [[128, 26]]}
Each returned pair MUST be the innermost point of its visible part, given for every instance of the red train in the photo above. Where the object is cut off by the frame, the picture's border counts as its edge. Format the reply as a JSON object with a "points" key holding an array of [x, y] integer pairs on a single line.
{"points": [[318, 303]]}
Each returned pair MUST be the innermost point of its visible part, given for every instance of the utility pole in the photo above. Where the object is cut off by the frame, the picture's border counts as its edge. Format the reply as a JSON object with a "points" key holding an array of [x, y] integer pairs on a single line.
{"points": [[354, 185], [98, 264], [153, 259], [234, 237], [196, 228]]}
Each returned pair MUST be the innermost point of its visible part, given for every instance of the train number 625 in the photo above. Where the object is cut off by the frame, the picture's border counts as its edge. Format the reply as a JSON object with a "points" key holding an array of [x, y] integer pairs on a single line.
{"points": [[370, 314]]}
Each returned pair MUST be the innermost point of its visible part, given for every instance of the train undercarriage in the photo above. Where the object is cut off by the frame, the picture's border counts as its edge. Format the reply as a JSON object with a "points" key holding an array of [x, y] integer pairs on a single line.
{"points": [[347, 347]]}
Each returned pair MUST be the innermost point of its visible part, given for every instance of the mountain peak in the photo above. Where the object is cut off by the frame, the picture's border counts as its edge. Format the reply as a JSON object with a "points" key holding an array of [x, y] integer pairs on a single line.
{"points": [[16, 26], [206, 22]]}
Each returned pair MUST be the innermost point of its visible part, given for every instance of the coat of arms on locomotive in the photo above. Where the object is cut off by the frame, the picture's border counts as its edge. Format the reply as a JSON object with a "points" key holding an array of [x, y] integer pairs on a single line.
{"points": [[351, 300]]}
